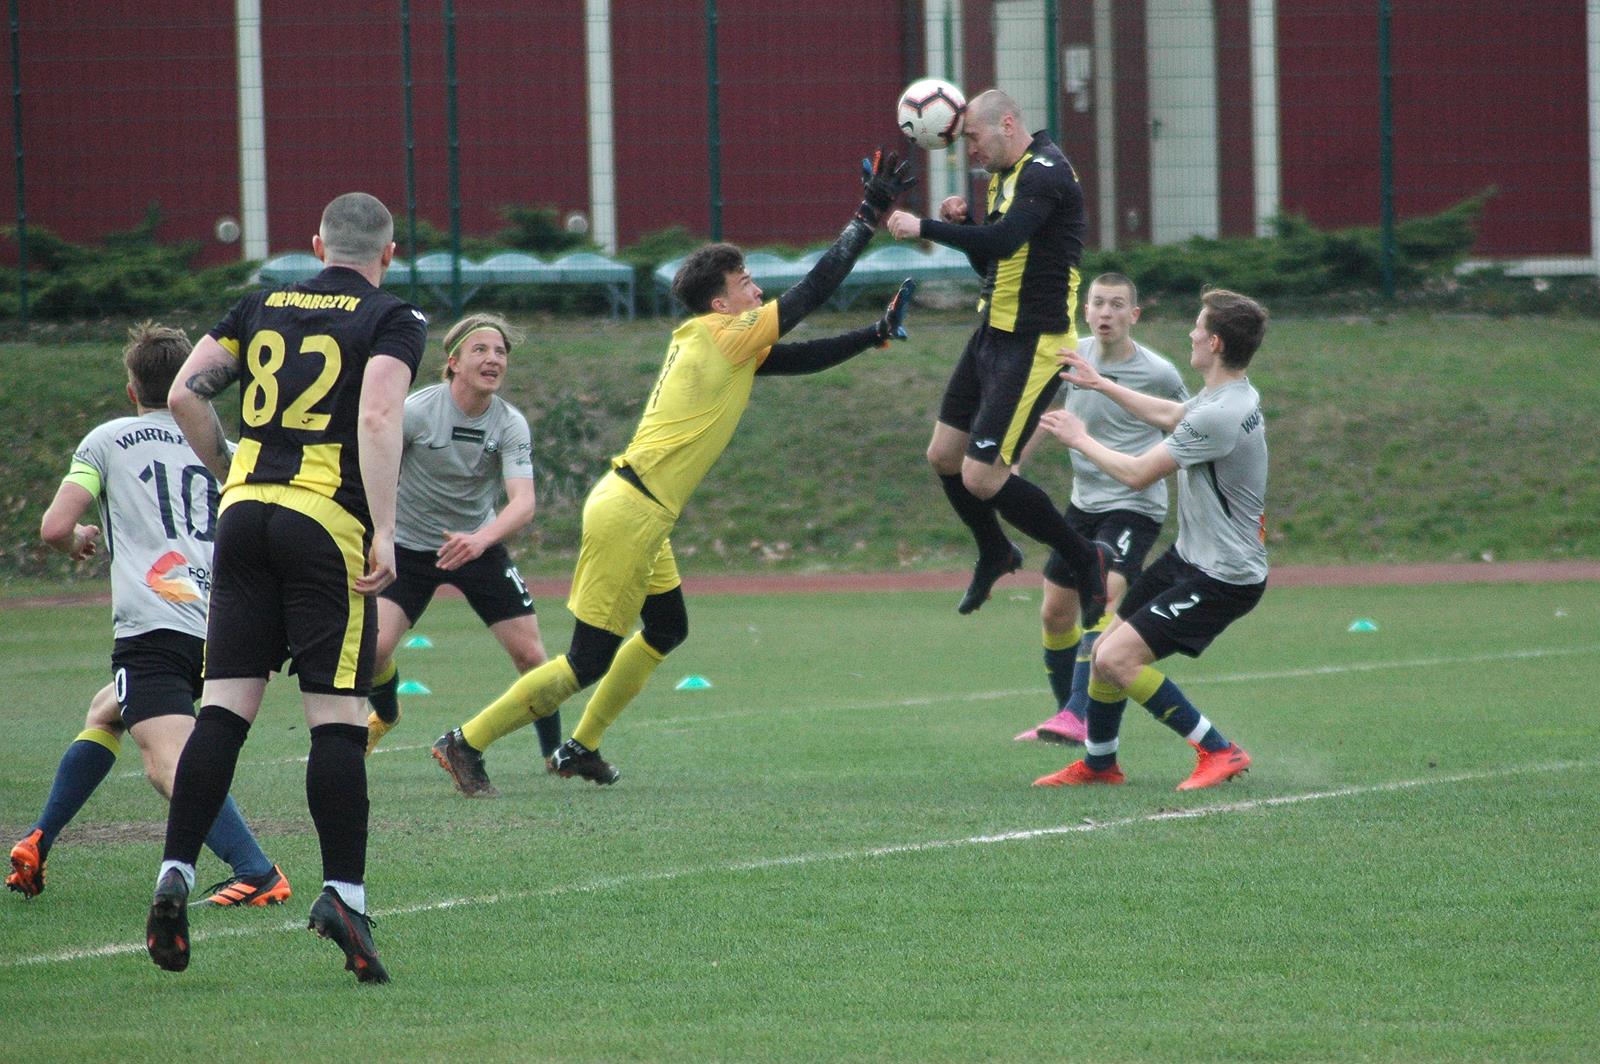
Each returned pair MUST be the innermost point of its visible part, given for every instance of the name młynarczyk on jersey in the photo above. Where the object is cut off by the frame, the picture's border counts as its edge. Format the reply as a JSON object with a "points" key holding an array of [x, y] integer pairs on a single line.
{"points": [[312, 301], [465, 435]]}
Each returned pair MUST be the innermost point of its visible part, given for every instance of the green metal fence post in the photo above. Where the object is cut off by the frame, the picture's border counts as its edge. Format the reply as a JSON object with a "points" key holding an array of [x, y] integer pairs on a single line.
{"points": [[714, 121], [411, 145], [453, 133], [1386, 151], [1052, 69], [16, 127]]}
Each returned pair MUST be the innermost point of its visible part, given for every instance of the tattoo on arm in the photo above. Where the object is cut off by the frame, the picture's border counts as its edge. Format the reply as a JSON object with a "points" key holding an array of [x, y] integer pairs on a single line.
{"points": [[210, 382], [217, 445]]}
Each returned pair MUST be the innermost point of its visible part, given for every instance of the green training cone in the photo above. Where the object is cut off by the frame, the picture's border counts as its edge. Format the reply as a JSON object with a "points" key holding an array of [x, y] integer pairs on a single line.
{"points": [[693, 683], [419, 642], [1361, 624], [411, 687]]}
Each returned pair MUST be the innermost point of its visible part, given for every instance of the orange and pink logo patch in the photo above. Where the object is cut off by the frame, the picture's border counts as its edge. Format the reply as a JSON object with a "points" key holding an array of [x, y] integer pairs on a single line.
{"points": [[169, 578]]}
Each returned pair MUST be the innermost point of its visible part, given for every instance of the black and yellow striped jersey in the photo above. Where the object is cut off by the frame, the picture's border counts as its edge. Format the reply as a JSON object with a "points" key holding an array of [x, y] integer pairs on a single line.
{"points": [[1030, 243], [304, 351]]}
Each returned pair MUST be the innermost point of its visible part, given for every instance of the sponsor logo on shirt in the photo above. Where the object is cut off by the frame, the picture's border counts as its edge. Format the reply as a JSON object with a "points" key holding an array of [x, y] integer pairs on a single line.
{"points": [[173, 580]]}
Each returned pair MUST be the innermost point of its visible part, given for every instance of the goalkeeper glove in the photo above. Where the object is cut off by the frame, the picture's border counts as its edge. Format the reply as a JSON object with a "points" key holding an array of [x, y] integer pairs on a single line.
{"points": [[883, 178], [892, 325]]}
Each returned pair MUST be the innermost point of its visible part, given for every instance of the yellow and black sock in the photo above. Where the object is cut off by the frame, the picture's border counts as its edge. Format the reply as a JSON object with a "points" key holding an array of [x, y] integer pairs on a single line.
{"points": [[1106, 703], [1061, 660], [385, 702], [1171, 707], [83, 767]]}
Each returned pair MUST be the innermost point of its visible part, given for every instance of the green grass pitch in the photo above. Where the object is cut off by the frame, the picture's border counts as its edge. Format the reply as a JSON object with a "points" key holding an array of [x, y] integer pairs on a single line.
{"points": [[834, 853]]}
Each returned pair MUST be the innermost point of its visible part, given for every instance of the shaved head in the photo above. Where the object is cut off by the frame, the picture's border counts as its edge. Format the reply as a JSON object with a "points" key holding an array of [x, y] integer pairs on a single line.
{"points": [[991, 105], [356, 228]]}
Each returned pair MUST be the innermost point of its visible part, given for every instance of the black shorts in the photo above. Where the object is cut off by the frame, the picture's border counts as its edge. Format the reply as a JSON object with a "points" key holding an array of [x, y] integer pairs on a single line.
{"points": [[283, 587], [1126, 535], [490, 582], [157, 674], [1176, 607], [1002, 384]]}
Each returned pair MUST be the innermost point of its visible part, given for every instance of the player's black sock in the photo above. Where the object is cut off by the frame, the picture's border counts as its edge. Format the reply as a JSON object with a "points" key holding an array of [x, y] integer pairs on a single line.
{"points": [[336, 792], [1026, 506], [549, 731], [200, 783], [978, 516], [385, 703]]}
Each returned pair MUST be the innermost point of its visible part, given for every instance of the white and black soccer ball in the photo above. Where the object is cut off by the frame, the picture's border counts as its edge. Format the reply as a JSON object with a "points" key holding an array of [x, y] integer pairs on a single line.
{"points": [[930, 112]]}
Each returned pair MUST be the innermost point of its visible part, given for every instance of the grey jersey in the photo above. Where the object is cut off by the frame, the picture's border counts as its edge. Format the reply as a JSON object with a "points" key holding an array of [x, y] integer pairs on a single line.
{"points": [[1221, 450], [1093, 489], [158, 516], [453, 466]]}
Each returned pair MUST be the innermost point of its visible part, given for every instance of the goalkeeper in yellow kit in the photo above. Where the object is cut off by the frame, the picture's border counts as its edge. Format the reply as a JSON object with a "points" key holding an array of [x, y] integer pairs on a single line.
{"points": [[625, 565]]}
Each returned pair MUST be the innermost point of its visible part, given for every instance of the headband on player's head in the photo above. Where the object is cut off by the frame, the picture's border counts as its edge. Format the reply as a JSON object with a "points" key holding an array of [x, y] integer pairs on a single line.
{"points": [[453, 348]]}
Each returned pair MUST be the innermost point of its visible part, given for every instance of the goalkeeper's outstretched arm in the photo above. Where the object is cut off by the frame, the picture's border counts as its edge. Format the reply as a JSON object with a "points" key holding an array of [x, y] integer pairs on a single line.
{"points": [[883, 179], [810, 356]]}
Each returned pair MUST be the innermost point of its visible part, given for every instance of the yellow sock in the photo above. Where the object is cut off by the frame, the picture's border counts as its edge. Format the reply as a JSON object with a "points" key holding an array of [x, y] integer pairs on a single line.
{"points": [[632, 666], [1063, 640], [1103, 623], [386, 675], [537, 694], [1101, 691], [1145, 685], [103, 737]]}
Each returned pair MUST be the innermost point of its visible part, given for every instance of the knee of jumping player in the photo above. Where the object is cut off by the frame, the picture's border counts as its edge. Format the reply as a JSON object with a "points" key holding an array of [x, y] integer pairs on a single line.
{"points": [[982, 479], [666, 621]]}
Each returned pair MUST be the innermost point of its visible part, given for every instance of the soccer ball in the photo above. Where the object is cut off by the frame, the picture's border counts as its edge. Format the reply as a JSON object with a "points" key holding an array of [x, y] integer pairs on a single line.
{"points": [[930, 113]]}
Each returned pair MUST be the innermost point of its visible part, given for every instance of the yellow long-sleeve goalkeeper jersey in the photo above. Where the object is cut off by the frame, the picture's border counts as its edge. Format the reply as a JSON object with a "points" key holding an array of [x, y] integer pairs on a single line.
{"points": [[697, 401]]}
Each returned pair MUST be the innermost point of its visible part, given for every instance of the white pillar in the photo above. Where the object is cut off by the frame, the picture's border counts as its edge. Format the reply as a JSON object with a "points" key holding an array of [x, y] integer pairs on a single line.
{"points": [[1105, 122], [1264, 109], [1594, 132], [946, 168], [252, 132], [602, 154]]}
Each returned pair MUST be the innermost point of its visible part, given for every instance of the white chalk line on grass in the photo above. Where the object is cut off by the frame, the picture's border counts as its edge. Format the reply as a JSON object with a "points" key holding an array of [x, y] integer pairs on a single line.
{"points": [[1308, 672], [817, 857]]}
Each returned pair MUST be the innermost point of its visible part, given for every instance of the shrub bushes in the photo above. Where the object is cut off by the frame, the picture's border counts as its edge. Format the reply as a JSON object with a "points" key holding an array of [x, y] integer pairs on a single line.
{"points": [[132, 275]]}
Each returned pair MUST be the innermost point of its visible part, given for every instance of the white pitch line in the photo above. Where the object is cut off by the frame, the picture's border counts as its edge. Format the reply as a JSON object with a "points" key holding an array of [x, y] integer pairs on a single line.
{"points": [[1309, 672], [817, 857], [1315, 671]]}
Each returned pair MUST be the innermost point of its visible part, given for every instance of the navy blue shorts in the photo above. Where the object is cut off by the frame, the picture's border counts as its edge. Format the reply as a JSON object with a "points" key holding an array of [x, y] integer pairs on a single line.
{"points": [[157, 674], [492, 586], [1177, 608], [1126, 535]]}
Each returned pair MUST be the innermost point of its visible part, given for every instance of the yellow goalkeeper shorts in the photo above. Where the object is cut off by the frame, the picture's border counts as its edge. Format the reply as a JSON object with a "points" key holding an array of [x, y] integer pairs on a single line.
{"points": [[625, 555]]}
